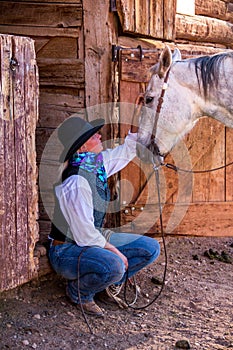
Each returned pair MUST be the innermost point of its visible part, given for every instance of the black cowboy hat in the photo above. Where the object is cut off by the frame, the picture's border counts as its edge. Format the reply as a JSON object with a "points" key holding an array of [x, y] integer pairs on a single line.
{"points": [[74, 132]]}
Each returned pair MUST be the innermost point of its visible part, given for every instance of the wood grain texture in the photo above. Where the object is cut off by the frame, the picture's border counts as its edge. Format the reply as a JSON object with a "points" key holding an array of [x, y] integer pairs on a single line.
{"points": [[39, 14], [204, 29], [19, 197], [98, 38], [152, 18], [213, 8], [61, 72], [199, 219]]}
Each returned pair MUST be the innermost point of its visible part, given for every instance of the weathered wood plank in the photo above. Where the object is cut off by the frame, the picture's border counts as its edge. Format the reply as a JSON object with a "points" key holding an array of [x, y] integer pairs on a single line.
{"points": [[206, 146], [8, 223], [148, 18], [187, 49], [10, 253], [61, 72], [126, 12], [18, 223], [32, 31], [169, 12], [6, 83], [3, 272], [211, 186], [142, 21], [56, 107], [200, 219], [99, 36], [205, 29], [211, 8], [19, 76], [57, 48], [41, 14], [156, 18], [31, 117]]}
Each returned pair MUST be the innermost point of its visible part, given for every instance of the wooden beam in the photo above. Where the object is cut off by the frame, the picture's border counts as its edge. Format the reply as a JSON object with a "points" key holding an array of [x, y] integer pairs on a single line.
{"points": [[195, 219], [211, 8], [40, 14], [32, 31], [204, 29]]}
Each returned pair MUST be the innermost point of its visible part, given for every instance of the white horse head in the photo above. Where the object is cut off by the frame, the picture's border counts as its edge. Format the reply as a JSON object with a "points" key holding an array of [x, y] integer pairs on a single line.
{"points": [[194, 88]]}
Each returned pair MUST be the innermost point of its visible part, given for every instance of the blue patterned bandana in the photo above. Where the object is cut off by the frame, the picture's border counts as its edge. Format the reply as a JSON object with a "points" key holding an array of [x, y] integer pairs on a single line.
{"points": [[92, 163]]}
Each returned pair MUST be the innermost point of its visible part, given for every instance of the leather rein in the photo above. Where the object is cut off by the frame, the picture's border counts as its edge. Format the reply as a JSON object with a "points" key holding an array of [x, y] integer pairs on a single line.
{"points": [[160, 103]]}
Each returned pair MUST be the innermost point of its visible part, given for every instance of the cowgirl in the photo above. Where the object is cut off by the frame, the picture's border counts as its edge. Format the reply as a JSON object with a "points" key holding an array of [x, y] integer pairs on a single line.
{"points": [[81, 201]]}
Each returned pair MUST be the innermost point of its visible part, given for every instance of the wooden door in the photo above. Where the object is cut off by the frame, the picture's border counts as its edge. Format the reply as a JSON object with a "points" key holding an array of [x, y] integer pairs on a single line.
{"points": [[18, 172], [200, 204]]}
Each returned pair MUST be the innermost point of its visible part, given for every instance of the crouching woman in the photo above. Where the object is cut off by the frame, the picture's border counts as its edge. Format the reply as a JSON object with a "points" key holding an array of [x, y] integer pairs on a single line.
{"points": [[90, 258]]}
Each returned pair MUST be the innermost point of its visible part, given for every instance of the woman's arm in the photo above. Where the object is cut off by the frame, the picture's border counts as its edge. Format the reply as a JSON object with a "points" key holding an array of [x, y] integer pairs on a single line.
{"points": [[113, 249], [117, 158]]}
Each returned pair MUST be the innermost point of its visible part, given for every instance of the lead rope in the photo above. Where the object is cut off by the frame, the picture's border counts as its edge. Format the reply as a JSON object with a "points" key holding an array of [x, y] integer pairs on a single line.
{"points": [[157, 180], [176, 168], [78, 287]]}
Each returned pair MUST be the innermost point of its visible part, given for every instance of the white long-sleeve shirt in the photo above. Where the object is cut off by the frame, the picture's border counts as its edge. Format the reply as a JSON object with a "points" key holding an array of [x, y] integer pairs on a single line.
{"points": [[75, 195]]}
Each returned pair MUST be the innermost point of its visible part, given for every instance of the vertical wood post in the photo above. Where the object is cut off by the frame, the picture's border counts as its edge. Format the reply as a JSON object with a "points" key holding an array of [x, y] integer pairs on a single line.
{"points": [[18, 171]]}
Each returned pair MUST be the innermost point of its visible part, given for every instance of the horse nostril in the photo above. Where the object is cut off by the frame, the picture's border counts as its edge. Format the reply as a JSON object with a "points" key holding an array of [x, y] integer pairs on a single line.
{"points": [[149, 99]]}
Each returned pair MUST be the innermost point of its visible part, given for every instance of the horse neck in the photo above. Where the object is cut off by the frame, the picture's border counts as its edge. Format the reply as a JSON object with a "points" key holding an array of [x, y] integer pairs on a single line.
{"points": [[218, 102]]}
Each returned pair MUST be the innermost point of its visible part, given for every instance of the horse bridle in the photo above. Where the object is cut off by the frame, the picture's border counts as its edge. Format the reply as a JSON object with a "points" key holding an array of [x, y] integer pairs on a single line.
{"points": [[153, 146], [159, 106]]}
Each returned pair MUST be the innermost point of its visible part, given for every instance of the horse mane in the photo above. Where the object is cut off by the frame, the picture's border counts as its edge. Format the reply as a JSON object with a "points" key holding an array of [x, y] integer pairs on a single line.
{"points": [[207, 70]]}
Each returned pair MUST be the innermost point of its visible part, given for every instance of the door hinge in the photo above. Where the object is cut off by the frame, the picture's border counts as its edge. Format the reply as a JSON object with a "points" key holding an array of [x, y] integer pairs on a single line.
{"points": [[115, 53]]}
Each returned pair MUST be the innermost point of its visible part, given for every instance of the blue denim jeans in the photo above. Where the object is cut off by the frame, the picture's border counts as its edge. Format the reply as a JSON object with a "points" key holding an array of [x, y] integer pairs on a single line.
{"points": [[99, 267]]}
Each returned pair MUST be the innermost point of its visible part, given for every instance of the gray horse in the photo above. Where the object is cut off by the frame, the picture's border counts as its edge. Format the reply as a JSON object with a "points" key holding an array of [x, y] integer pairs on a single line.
{"points": [[179, 93]]}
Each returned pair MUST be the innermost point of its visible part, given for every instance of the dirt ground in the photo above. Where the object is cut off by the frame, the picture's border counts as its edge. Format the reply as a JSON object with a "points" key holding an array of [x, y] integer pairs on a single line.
{"points": [[195, 307]]}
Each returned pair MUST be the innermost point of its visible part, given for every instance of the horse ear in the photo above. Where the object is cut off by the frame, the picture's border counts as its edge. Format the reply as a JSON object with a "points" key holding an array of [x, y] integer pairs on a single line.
{"points": [[176, 56], [164, 63]]}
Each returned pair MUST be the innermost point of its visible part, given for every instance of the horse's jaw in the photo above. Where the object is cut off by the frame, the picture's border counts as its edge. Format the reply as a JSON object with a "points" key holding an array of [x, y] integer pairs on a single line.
{"points": [[149, 154]]}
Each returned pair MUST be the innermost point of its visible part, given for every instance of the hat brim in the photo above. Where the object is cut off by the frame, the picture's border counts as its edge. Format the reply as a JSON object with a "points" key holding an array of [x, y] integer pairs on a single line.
{"points": [[67, 153]]}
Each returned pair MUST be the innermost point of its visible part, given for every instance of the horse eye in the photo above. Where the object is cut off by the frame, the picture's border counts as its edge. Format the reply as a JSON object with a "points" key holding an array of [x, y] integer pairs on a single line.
{"points": [[149, 99]]}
